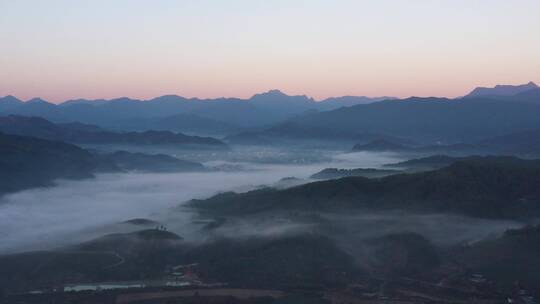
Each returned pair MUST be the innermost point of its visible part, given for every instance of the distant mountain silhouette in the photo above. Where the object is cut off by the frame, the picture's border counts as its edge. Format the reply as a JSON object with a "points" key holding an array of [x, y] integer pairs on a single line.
{"points": [[380, 145], [426, 120], [37, 100], [276, 100], [9, 102], [127, 161], [502, 90], [188, 123], [281, 116], [223, 115], [523, 143], [88, 134], [532, 95], [33, 107], [349, 101]]}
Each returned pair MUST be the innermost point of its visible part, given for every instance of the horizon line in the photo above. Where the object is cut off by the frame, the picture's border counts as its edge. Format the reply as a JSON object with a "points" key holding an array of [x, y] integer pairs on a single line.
{"points": [[270, 91]]}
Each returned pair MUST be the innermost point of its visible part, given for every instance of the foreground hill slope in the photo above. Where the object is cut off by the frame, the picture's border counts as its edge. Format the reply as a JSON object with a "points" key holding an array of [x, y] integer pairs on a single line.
{"points": [[511, 258], [302, 261]]}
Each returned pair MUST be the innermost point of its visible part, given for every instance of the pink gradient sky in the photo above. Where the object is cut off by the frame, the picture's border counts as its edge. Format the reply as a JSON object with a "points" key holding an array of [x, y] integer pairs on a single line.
{"points": [[61, 49]]}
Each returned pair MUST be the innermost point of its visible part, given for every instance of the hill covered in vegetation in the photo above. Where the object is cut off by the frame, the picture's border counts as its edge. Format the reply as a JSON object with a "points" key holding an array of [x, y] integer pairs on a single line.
{"points": [[493, 187], [28, 162]]}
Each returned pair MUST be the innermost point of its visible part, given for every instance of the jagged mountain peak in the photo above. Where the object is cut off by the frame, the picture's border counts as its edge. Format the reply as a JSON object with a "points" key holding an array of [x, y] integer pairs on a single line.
{"points": [[502, 90]]}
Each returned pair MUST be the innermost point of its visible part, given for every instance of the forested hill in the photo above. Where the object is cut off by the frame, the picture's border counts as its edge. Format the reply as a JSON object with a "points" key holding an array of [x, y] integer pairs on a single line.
{"points": [[493, 187]]}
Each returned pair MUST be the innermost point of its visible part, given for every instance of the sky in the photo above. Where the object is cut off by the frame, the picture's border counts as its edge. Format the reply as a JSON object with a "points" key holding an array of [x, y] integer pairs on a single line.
{"points": [[64, 49]]}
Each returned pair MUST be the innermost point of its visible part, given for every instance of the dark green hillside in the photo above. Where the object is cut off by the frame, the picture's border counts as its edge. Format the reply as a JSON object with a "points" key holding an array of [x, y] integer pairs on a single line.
{"points": [[27, 162], [330, 173], [514, 257], [430, 162], [89, 134], [498, 187], [380, 145], [302, 261], [31, 270], [139, 255], [403, 254], [129, 161]]}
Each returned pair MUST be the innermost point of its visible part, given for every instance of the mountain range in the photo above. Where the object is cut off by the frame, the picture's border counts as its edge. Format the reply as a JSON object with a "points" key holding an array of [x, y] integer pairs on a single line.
{"points": [[484, 113], [425, 120], [176, 113], [503, 90], [524, 143], [89, 134]]}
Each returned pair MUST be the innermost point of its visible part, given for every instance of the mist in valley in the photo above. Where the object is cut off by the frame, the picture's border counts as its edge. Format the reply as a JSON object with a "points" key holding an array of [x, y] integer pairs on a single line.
{"points": [[269, 152], [72, 212]]}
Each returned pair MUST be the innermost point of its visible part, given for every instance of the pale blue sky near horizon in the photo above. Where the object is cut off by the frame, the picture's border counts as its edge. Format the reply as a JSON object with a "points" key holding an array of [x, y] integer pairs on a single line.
{"points": [[63, 49]]}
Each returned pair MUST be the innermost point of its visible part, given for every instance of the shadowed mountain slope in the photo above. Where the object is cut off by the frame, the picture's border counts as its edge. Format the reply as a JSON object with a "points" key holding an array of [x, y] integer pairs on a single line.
{"points": [[88, 134], [496, 187]]}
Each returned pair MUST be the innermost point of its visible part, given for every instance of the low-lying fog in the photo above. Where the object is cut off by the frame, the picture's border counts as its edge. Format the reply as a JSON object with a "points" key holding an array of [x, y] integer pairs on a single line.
{"points": [[75, 211]]}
